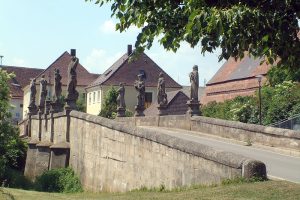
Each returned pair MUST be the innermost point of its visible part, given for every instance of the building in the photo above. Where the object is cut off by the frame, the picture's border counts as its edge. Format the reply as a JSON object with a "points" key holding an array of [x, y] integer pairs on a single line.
{"points": [[177, 102], [21, 79], [126, 72], [84, 78], [235, 78]]}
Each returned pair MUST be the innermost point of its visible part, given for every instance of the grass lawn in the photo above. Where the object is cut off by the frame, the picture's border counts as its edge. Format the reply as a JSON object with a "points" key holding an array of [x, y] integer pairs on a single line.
{"points": [[257, 190]]}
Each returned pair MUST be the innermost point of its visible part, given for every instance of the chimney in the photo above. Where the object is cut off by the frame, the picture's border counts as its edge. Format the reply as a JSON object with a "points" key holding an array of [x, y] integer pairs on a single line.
{"points": [[73, 52], [129, 49]]}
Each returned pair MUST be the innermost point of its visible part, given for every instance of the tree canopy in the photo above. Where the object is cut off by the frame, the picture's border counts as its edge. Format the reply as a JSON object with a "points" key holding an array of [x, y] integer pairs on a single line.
{"points": [[266, 28]]}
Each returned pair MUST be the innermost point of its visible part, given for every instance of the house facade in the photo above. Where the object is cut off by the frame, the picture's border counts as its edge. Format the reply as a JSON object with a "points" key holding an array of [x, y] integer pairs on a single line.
{"points": [[235, 78], [21, 79], [84, 78], [126, 71]]}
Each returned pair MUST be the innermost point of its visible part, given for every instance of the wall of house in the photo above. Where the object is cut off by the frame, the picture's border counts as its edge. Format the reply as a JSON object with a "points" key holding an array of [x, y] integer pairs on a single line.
{"points": [[17, 109], [220, 92], [113, 156], [94, 107]]}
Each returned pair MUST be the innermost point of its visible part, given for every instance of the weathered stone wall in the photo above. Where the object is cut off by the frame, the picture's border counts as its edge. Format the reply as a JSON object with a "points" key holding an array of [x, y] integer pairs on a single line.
{"points": [[114, 156], [269, 136]]}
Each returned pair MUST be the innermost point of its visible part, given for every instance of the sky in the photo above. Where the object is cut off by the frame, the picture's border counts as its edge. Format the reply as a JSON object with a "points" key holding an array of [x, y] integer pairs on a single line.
{"points": [[36, 32]]}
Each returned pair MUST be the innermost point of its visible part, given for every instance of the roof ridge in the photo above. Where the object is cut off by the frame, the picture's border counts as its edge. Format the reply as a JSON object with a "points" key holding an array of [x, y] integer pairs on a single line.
{"points": [[52, 63], [10, 66]]}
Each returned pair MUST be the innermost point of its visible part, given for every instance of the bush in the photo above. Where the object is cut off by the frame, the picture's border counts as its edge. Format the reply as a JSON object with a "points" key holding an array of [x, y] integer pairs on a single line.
{"points": [[109, 108], [58, 180], [16, 179]]}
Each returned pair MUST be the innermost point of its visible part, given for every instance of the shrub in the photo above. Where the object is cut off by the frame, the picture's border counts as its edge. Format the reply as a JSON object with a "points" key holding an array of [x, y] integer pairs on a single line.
{"points": [[58, 180], [109, 108], [16, 179]]}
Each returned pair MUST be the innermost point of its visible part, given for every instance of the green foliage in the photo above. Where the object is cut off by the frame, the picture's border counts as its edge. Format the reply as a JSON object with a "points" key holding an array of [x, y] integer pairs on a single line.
{"points": [[263, 28], [81, 104], [109, 108], [128, 113], [277, 75], [278, 103], [16, 179], [58, 180], [12, 148]]}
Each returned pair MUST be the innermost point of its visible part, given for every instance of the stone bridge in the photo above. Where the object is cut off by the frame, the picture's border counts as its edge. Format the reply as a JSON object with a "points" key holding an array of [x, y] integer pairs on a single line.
{"points": [[120, 155]]}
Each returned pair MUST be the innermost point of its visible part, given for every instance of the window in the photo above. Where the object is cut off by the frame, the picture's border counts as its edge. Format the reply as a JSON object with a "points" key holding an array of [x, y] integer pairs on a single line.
{"points": [[148, 99], [98, 96], [90, 98], [17, 115], [94, 97]]}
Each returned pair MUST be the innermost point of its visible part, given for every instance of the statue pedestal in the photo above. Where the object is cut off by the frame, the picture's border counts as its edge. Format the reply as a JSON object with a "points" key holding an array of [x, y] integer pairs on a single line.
{"points": [[32, 109], [56, 107], [194, 108], [121, 112], [47, 108], [139, 111], [41, 109], [162, 110], [71, 104]]}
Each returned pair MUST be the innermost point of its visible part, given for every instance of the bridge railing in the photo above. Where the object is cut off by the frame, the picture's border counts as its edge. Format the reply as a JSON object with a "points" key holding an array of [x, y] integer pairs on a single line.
{"points": [[292, 123]]}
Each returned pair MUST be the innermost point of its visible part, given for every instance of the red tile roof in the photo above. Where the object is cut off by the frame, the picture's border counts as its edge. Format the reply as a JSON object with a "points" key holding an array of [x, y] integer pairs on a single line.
{"points": [[84, 78], [232, 70], [21, 79], [124, 71]]}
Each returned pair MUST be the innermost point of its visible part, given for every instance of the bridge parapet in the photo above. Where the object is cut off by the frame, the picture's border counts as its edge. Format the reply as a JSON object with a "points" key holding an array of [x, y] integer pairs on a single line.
{"points": [[115, 156]]}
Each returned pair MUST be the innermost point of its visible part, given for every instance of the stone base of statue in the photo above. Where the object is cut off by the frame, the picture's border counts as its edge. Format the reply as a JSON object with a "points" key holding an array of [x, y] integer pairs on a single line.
{"points": [[121, 112], [32, 109], [162, 110], [194, 108], [139, 111], [70, 104], [41, 109], [47, 107], [56, 107]]}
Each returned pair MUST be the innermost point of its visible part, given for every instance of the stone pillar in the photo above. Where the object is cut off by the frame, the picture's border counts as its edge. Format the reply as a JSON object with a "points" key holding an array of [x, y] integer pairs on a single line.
{"points": [[29, 171], [42, 158], [60, 155]]}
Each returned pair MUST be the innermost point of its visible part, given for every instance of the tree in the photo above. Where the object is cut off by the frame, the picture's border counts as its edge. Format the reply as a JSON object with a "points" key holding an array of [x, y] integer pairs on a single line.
{"points": [[266, 28], [109, 108], [12, 148]]}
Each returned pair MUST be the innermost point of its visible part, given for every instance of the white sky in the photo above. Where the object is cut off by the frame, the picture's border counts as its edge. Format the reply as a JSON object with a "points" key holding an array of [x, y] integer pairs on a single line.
{"points": [[34, 33]]}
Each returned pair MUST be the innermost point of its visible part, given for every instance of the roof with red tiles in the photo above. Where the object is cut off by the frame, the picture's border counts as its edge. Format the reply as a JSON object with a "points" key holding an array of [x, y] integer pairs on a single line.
{"points": [[21, 79], [84, 78], [247, 67], [124, 71]]}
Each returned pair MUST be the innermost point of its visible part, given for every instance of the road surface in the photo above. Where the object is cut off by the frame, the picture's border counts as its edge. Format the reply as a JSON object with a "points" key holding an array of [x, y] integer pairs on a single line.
{"points": [[278, 165]]}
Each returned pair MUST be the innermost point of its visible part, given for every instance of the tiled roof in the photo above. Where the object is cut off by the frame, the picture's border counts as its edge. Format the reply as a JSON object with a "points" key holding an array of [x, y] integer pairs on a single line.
{"points": [[187, 91], [84, 78], [124, 71], [21, 79], [248, 67], [176, 104]]}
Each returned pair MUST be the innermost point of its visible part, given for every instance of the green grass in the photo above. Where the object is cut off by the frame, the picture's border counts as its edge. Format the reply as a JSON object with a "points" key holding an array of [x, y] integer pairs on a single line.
{"points": [[241, 191]]}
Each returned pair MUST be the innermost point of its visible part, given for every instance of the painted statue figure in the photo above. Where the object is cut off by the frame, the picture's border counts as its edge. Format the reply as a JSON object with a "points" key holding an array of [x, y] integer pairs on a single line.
{"points": [[161, 90], [194, 79], [32, 93]]}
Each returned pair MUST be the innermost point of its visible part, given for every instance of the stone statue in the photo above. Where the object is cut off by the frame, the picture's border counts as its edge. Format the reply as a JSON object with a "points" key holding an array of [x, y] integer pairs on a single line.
{"points": [[193, 103], [194, 79], [72, 94], [140, 88], [32, 107], [120, 98], [161, 91], [57, 85], [121, 106], [43, 92]]}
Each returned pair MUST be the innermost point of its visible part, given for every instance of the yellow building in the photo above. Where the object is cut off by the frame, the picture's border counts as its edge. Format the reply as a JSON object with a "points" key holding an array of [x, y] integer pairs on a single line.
{"points": [[84, 78], [126, 72]]}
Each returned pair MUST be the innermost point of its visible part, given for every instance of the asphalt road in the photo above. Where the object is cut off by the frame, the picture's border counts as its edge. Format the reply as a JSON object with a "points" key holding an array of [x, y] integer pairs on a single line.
{"points": [[278, 165]]}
